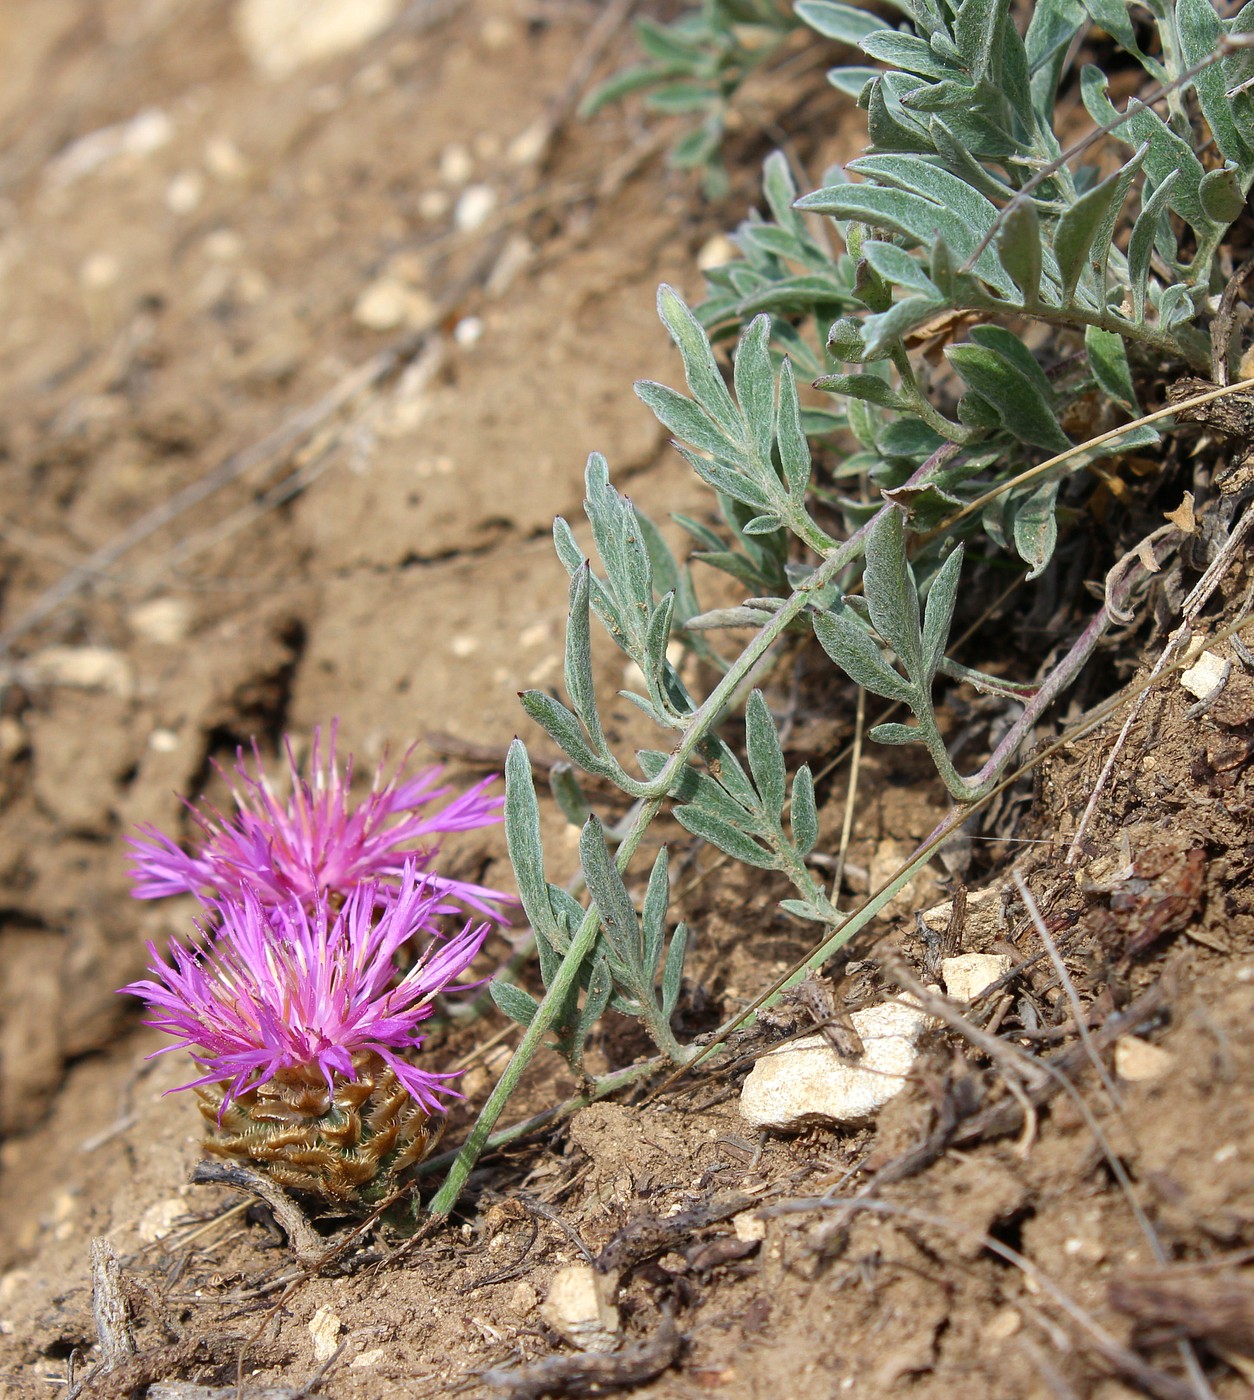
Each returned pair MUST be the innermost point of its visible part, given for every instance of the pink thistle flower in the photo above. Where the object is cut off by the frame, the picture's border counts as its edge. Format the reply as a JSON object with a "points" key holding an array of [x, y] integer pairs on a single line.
{"points": [[285, 988], [318, 844]]}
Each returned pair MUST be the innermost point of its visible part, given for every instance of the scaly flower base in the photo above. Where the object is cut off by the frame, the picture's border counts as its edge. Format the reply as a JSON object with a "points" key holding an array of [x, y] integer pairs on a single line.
{"points": [[350, 1150]]}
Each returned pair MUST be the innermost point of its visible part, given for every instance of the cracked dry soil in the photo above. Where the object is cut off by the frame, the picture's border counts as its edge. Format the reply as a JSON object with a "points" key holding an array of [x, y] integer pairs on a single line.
{"points": [[184, 302]]}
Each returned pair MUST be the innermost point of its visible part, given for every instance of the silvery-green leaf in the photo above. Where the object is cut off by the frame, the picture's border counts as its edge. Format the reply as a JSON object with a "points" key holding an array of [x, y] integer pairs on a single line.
{"points": [[922, 177], [718, 618], [568, 794], [518, 1005], [895, 265], [803, 909], [1108, 359], [1175, 306], [653, 912], [726, 837], [869, 387], [1167, 152], [895, 734], [1141, 243], [1017, 399], [596, 999], [700, 367], [906, 51], [567, 548], [522, 838], [975, 28], [578, 668], [1078, 227], [794, 450], [762, 525], [1103, 242], [755, 384], [852, 81], [1200, 33], [1011, 347], [780, 191], [843, 23], [562, 727], [882, 332], [1221, 195], [1113, 17], [679, 415], [1036, 528], [938, 614], [766, 758], [666, 571], [857, 655], [960, 162], [891, 595], [620, 927], [673, 971], [803, 812], [727, 481], [912, 216]]}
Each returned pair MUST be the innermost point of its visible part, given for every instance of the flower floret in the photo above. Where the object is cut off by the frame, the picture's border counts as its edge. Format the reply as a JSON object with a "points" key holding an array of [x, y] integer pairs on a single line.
{"points": [[317, 843], [285, 987]]}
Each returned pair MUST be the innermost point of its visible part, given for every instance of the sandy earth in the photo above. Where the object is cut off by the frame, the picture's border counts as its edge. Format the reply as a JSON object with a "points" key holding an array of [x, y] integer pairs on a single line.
{"points": [[384, 307]]}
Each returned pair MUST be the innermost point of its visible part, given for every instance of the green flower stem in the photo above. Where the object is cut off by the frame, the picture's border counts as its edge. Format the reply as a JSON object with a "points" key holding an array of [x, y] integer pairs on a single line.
{"points": [[541, 1023]]}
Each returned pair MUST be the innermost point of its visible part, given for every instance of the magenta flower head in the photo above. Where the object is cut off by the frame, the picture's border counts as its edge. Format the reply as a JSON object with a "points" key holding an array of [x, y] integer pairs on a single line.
{"points": [[317, 844], [304, 1027]]}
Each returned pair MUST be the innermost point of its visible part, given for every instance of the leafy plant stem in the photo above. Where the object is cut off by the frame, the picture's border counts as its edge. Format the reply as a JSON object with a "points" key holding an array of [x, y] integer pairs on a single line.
{"points": [[546, 1014]]}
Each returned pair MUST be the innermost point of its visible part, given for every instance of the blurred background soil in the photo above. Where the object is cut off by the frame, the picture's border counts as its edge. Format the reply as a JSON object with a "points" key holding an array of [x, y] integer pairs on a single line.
{"points": [[309, 316]]}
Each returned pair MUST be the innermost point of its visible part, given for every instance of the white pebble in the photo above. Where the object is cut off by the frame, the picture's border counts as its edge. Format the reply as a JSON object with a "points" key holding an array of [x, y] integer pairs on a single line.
{"points": [[457, 165], [966, 976], [184, 192], [468, 331], [806, 1081], [325, 1328], [387, 304], [580, 1307], [1140, 1062], [474, 208], [1204, 675], [163, 620]]}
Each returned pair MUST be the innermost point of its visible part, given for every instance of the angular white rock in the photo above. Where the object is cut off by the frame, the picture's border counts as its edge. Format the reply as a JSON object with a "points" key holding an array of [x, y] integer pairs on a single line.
{"points": [[967, 975], [325, 1328], [806, 1081], [1139, 1062], [1204, 675], [281, 36], [580, 1306], [84, 668]]}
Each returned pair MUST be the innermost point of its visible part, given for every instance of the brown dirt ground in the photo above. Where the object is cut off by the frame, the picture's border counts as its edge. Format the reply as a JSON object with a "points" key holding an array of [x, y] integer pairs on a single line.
{"points": [[167, 309]]}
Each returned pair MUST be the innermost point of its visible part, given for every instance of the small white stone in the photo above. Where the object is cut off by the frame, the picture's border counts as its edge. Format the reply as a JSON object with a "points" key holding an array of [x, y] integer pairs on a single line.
{"points": [[99, 271], [966, 976], [468, 331], [580, 1307], [1140, 1062], [163, 741], [281, 36], [748, 1227], [146, 132], [159, 1219], [165, 621], [806, 1081], [368, 1358], [524, 1299], [464, 645], [474, 207], [84, 668], [223, 245], [387, 304], [434, 204], [457, 165], [325, 1328], [716, 252], [528, 146], [1204, 675], [224, 160], [184, 192]]}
